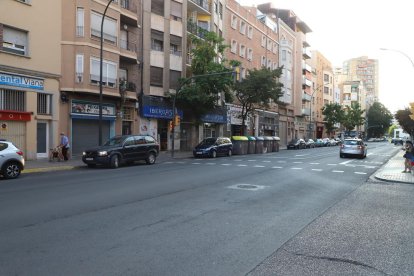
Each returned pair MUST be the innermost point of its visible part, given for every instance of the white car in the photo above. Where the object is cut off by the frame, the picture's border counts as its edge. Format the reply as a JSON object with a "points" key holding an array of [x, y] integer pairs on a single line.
{"points": [[11, 160]]}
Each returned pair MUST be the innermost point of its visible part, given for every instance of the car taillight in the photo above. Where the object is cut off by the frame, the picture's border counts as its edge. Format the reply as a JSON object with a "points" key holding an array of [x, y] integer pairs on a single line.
{"points": [[19, 153], [359, 147], [342, 146]]}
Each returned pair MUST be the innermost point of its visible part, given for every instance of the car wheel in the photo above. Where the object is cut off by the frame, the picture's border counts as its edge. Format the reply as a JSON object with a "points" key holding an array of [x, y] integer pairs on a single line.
{"points": [[213, 154], [114, 161], [11, 170], [229, 153], [151, 158], [91, 165]]}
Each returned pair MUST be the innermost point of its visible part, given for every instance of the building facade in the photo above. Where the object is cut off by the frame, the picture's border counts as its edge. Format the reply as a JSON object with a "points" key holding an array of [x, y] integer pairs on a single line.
{"points": [[30, 68]]}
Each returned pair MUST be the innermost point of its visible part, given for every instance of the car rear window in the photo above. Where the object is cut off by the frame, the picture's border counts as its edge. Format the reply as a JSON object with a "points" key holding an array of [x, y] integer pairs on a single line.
{"points": [[351, 142], [3, 146]]}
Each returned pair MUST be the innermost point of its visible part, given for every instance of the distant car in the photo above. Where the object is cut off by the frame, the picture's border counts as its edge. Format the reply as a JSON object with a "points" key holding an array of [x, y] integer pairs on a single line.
{"points": [[319, 143], [296, 144], [353, 147], [11, 160], [123, 149], [338, 141], [310, 143], [326, 142], [333, 142], [213, 147]]}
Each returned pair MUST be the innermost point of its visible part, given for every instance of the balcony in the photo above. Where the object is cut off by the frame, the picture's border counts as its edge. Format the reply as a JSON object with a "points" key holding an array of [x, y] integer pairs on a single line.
{"points": [[306, 67], [129, 5], [176, 61], [200, 6], [128, 51], [306, 82], [193, 28], [306, 53], [305, 112], [306, 97]]}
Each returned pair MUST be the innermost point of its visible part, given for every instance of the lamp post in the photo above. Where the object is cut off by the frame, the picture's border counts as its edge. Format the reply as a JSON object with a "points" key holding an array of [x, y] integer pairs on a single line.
{"points": [[401, 52], [100, 74]]}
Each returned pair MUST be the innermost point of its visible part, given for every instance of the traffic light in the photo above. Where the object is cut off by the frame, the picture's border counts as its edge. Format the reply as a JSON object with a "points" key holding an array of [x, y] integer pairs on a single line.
{"points": [[412, 110]]}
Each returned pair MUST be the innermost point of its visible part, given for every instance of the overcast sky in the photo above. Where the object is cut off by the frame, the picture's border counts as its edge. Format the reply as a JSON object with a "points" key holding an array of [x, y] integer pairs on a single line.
{"points": [[352, 28]]}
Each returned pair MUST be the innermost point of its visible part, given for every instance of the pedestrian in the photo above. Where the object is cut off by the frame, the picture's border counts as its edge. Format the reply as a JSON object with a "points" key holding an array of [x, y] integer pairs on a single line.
{"points": [[408, 156], [64, 144]]}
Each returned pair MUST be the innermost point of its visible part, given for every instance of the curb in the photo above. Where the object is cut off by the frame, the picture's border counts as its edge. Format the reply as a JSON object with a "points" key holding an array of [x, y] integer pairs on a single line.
{"points": [[39, 170]]}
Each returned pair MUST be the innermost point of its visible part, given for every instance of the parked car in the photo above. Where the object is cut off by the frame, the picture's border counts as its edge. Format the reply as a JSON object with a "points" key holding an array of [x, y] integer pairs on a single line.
{"points": [[310, 143], [123, 149], [212, 147], [296, 144], [319, 143], [353, 147], [333, 142], [326, 142], [11, 160]]}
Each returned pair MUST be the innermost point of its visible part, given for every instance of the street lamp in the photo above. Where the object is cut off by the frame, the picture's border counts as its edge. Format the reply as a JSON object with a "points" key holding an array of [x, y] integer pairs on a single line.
{"points": [[100, 74], [401, 52]]}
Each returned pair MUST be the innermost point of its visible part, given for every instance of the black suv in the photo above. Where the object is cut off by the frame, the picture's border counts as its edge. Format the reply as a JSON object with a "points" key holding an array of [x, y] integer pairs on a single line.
{"points": [[211, 147], [123, 149]]}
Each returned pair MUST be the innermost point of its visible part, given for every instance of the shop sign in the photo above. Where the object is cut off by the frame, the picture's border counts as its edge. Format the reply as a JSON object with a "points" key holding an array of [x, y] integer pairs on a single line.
{"points": [[234, 115], [81, 107], [15, 116], [214, 118], [21, 81], [159, 112]]}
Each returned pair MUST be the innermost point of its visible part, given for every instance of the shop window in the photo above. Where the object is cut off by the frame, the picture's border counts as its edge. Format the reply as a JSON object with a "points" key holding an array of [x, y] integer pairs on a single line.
{"points": [[12, 100]]}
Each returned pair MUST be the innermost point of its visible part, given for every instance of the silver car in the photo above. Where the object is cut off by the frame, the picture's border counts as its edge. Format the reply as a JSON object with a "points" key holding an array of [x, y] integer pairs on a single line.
{"points": [[11, 160], [353, 147]]}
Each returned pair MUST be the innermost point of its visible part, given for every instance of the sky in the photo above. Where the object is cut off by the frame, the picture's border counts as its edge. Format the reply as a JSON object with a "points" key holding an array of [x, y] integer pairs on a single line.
{"points": [[348, 29]]}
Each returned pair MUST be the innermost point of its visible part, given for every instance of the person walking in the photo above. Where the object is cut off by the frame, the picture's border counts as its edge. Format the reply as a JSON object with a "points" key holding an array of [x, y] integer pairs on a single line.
{"points": [[408, 156], [64, 144]]}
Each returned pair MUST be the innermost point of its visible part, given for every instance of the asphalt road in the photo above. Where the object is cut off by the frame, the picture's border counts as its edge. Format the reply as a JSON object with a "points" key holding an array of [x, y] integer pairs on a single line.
{"points": [[224, 216]]}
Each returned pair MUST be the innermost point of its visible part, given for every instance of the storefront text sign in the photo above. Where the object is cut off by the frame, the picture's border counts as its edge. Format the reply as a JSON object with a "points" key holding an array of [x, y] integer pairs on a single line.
{"points": [[159, 112], [15, 116], [21, 81], [81, 107]]}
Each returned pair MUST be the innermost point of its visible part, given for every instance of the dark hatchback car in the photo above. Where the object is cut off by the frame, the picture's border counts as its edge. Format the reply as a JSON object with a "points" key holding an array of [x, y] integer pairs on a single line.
{"points": [[296, 144], [212, 147], [123, 149]]}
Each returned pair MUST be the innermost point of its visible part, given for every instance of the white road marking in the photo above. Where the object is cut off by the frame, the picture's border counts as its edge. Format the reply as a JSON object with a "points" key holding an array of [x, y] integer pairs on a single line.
{"points": [[196, 163], [338, 171], [276, 167], [251, 160], [226, 164], [238, 160], [258, 166], [314, 163], [296, 168], [281, 161], [360, 173], [168, 162], [318, 170], [332, 164], [346, 162], [266, 161], [180, 162], [210, 163], [297, 162], [241, 165]]}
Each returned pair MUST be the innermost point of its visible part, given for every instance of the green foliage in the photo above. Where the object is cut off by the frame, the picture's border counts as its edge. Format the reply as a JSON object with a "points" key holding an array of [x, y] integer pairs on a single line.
{"points": [[333, 114], [403, 118], [379, 120], [353, 116], [257, 89], [391, 130], [210, 76]]}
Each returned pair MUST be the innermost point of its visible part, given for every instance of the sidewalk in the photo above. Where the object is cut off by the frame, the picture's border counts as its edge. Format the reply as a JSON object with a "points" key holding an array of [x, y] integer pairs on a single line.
{"points": [[392, 170]]}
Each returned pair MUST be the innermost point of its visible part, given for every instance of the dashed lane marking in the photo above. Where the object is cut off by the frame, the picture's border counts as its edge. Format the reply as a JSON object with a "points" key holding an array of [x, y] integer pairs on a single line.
{"points": [[360, 173], [314, 163], [258, 166], [296, 168], [317, 170], [276, 167], [337, 171]]}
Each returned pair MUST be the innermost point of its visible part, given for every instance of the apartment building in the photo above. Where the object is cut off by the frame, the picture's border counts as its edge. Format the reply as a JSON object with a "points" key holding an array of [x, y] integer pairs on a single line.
{"points": [[323, 90], [354, 91], [253, 41], [30, 68], [80, 83], [294, 114]]}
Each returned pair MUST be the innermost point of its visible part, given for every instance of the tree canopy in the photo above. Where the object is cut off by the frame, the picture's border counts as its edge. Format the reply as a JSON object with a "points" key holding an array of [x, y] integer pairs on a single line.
{"points": [[379, 120], [353, 116], [333, 114], [403, 118], [259, 86]]}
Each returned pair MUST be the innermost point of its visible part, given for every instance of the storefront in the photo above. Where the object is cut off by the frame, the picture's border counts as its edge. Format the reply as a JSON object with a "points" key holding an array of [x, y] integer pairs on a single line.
{"points": [[85, 124], [235, 121], [213, 122], [268, 123]]}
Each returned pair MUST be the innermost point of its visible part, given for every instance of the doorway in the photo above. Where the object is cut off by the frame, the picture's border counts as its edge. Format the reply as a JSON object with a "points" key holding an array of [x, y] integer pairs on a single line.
{"points": [[42, 139]]}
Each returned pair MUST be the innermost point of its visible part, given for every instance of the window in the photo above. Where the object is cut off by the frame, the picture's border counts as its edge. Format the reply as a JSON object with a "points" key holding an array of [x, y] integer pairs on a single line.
{"points": [[176, 11], [233, 48], [79, 68], [221, 10], [274, 65], [269, 44], [326, 90], [109, 71], [157, 7], [175, 45], [242, 27], [14, 41], [263, 41], [242, 73], [242, 50], [250, 32], [233, 21], [44, 104], [269, 64], [174, 77], [263, 62], [284, 55], [80, 22], [123, 74], [157, 45], [215, 7], [249, 54], [326, 78], [156, 76], [109, 28], [12, 100], [274, 48]]}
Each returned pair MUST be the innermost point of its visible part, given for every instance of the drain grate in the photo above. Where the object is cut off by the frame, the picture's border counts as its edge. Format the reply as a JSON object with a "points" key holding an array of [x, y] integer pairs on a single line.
{"points": [[249, 187]]}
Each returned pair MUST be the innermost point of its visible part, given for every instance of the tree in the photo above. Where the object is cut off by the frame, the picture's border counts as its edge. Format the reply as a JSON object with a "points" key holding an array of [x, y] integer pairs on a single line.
{"points": [[403, 118], [199, 95], [353, 116], [333, 114], [391, 130], [257, 89], [379, 120]]}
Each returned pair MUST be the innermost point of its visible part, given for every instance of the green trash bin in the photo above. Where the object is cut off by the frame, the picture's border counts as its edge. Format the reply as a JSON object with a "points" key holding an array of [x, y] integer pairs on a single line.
{"points": [[240, 144], [267, 144], [251, 148], [259, 145]]}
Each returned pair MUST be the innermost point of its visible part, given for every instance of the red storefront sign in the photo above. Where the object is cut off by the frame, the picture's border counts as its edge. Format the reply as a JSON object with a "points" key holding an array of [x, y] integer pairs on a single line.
{"points": [[8, 115]]}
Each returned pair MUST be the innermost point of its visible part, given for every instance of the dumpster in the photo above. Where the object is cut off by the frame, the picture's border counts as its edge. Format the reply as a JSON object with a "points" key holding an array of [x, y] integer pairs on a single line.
{"points": [[267, 144], [240, 144], [259, 145], [276, 142], [251, 148]]}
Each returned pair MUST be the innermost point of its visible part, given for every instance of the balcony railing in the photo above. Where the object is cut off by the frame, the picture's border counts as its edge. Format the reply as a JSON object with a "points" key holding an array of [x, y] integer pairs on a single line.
{"points": [[80, 31], [175, 53], [107, 37], [306, 111], [306, 97], [202, 3], [124, 44], [193, 28]]}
